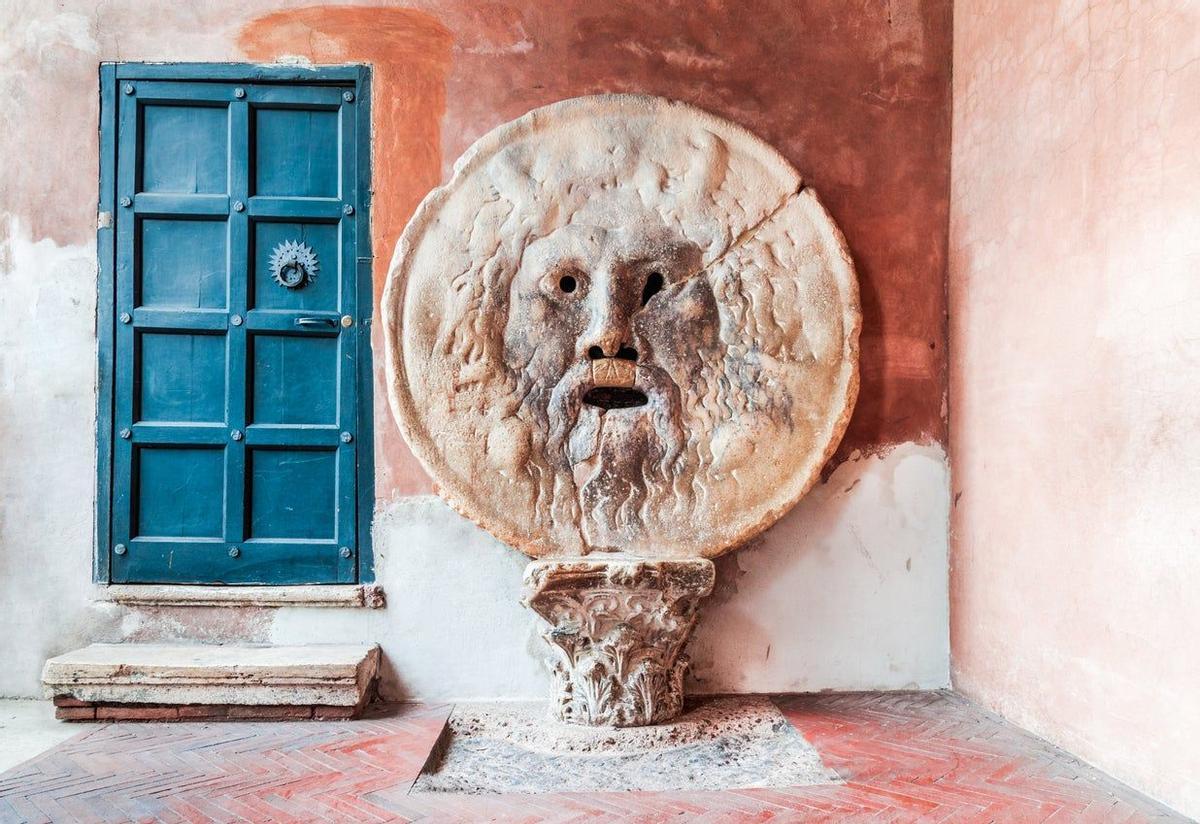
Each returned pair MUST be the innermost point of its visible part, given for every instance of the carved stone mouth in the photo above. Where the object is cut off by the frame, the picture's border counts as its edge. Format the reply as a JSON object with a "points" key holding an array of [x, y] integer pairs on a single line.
{"points": [[615, 397]]}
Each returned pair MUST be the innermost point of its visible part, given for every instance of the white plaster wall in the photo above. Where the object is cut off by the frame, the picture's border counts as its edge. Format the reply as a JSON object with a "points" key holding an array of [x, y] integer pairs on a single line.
{"points": [[47, 449], [847, 592]]}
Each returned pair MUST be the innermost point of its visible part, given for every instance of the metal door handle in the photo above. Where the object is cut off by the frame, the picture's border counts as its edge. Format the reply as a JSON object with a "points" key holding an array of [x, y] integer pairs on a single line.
{"points": [[326, 322]]}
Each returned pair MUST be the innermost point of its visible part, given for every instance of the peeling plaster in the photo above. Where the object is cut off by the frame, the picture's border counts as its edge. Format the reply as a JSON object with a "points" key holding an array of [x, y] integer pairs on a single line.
{"points": [[822, 600], [848, 591], [47, 466]]}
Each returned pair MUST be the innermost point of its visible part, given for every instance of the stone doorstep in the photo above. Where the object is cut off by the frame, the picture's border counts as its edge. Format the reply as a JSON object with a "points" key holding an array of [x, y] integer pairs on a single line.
{"points": [[209, 681]]}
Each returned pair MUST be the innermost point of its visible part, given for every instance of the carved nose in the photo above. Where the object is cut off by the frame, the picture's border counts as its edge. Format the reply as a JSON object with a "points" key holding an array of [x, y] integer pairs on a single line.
{"points": [[603, 342], [608, 331]]}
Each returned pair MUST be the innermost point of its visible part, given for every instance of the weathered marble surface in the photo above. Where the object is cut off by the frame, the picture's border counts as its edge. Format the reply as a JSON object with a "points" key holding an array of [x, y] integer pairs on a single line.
{"points": [[624, 324], [617, 630], [721, 743]]}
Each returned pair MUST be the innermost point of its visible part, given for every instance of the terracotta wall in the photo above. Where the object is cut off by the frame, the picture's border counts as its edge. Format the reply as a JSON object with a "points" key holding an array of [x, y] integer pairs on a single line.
{"points": [[1075, 377], [849, 591], [855, 95]]}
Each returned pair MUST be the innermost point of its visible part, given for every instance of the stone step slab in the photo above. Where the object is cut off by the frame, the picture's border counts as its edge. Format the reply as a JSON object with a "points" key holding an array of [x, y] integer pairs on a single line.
{"points": [[213, 675]]}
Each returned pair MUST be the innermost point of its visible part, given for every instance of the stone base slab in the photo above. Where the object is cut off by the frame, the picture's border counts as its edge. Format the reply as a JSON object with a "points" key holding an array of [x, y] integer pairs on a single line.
{"points": [[176, 681], [718, 744]]}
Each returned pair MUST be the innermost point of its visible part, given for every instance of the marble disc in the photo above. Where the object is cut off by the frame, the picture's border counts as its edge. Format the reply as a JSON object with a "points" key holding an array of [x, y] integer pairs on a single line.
{"points": [[623, 325]]}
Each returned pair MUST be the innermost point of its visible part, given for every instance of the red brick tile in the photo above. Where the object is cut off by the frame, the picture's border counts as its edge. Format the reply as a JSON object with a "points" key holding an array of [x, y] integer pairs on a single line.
{"points": [[70, 701], [135, 712], [75, 713], [929, 757], [324, 712], [278, 713], [202, 711]]}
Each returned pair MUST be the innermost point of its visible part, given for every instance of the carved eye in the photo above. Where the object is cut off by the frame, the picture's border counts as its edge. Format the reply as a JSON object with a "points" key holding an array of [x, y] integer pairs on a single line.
{"points": [[654, 285], [566, 283]]}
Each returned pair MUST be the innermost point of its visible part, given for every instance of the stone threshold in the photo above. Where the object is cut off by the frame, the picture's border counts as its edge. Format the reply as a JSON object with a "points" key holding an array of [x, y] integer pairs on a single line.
{"points": [[369, 596], [188, 681]]}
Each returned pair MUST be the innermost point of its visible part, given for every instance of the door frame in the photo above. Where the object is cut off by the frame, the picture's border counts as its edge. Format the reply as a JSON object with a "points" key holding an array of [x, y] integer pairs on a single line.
{"points": [[111, 75]]}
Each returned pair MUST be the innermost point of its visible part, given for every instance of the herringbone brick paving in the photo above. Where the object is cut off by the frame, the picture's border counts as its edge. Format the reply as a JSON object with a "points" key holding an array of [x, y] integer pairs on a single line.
{"points": [[903, 757]]}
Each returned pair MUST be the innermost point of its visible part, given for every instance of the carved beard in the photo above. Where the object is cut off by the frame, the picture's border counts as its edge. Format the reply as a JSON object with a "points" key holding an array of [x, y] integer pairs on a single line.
{"points": [[608, 469]]}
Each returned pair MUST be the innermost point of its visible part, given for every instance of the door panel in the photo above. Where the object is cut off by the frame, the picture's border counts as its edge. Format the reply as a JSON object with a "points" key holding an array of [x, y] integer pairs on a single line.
{"points": [[293, 493], [295, 152], [235, 376], [182, 264], [185, 148], [321, 292], [180, 377], [179, 492], [293, 380]]}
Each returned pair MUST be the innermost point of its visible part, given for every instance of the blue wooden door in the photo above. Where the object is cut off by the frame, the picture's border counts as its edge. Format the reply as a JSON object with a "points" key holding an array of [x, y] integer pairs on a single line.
{"points": [[236, 317]]}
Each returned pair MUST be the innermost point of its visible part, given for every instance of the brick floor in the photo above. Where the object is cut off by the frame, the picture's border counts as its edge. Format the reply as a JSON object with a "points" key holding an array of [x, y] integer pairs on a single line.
{"points": [[927, 757]]}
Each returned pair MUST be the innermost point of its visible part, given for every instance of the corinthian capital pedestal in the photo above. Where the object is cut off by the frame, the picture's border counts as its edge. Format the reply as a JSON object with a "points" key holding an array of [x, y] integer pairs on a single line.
{"points": [[617, 630]]}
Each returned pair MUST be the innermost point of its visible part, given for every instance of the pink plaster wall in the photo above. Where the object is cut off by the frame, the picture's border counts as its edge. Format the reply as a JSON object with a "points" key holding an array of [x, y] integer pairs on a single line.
{"points": [[1075, 377]]}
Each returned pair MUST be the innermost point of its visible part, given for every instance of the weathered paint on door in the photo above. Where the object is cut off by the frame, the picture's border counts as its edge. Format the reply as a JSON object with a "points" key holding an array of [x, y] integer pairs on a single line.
{"points": [[235, 334]]}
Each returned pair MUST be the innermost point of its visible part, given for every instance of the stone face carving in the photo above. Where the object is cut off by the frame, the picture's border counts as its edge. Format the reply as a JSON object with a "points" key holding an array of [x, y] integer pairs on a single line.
{"points": [[618, 625], [623, 325]]}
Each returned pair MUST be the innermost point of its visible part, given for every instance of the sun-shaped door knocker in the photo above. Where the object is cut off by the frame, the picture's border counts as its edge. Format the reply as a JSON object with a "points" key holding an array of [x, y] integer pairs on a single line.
{"points": [[293, 264]]}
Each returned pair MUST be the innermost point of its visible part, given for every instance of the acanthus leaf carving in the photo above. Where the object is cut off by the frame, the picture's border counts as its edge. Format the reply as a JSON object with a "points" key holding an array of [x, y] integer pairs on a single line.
{"points": [[618, 626]]}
